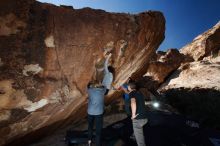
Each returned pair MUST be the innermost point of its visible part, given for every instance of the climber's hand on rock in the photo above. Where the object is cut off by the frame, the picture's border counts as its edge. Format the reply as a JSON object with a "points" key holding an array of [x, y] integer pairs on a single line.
{"points": [[109, 55], [105, 53]]}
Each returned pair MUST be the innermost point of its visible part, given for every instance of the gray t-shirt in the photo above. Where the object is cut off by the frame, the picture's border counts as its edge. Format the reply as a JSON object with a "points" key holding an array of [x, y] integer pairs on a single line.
{"points": [[108, 77], [96, 101]]}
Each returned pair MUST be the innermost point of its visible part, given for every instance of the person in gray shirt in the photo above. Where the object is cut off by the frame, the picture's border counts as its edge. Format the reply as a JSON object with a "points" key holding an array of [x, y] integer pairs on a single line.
{"points": [[96, 93], [108, 74]]}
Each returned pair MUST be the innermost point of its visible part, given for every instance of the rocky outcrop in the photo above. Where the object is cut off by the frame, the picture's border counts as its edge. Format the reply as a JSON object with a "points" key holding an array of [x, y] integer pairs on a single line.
{"points": [[206, 44], [202, 74], [48, 54], [194, 88], [164, 65]]}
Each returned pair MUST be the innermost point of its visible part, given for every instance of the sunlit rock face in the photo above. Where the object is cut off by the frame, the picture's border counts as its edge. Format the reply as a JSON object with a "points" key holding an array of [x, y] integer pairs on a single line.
{"points": [[48, 54], [194, 88], [202, 74], [204, 45], [164, 64]]}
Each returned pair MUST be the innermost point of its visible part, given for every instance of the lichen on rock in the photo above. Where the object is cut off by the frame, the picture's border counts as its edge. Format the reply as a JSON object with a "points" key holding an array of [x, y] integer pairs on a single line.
{"points": [[36, 105], [32, 69], [49, 41]]}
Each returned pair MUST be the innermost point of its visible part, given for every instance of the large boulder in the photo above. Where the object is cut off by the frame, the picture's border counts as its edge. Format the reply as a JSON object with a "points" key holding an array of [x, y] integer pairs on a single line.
{"points": [[201, 74], [48, 54], [163, 65], [204, 45], [194, 88]]}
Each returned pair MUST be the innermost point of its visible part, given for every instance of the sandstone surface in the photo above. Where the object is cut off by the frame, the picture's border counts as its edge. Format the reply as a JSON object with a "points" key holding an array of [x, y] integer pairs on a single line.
{"points": [[49, 53], [194, 88], [160, 68], [206, 44]]}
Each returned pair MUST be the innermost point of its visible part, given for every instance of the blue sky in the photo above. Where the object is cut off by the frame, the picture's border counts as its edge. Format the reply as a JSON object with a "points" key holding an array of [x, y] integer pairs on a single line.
{"points": [[185, 19]]}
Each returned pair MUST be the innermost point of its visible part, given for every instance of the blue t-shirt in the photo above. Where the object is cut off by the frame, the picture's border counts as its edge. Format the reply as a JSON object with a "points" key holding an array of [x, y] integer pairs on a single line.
{"points": [[96, 101], [126, 95]]}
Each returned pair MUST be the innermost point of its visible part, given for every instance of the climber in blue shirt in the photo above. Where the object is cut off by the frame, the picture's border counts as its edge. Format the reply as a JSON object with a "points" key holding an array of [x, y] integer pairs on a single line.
{"points": [[126, 97]]}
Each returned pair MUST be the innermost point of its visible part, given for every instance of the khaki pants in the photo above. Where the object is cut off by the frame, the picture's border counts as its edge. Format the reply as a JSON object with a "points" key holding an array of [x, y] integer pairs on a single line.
{"points": [[138, 125]]}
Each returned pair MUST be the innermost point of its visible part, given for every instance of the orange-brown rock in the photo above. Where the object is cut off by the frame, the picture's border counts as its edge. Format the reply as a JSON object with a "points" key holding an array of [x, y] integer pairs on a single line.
{"points": [[48, 54], [165, 64], [199, 74], [194, 88], [202, 74], [204, 45]]}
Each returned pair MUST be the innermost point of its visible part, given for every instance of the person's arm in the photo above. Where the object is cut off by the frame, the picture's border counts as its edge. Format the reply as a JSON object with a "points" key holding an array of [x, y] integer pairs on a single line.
{"points": [[88, 92], [133, 108], [124, 89], [114, 87], [104, 90], [106, 63]]}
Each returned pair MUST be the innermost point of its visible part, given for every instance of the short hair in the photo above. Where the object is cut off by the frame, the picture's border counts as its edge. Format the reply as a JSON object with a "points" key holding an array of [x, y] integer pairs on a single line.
{"points": [[130, 80], [95, 84], [92, 83], [133, 86], [111, 69], [89, 84]]}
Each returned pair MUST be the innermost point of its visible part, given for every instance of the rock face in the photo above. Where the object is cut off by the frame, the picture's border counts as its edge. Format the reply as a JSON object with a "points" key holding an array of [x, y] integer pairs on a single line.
{"points": [[194, 88], [163, 65], [204, 45], [202, 74], [48, 54]]}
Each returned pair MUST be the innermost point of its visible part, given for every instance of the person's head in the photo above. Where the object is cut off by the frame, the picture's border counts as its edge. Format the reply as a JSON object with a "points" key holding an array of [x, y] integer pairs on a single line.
{"points": [[90, 84], [132, 86], [94, 84], [111, 69], [129, 80]]}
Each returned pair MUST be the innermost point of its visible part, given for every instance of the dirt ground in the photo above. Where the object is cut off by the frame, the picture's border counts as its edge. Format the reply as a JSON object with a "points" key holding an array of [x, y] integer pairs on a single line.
{"points": [[57, 139]]}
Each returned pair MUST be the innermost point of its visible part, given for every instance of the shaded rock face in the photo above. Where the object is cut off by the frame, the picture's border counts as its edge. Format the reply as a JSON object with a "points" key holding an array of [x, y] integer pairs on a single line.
{"points": [[194, 88], [204, 45], [200, 104], [164, 65], [48, 54]]}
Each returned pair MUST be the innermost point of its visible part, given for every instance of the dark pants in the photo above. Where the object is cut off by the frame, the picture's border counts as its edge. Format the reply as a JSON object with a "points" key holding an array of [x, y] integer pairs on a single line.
{"points": [[98, 123]]}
